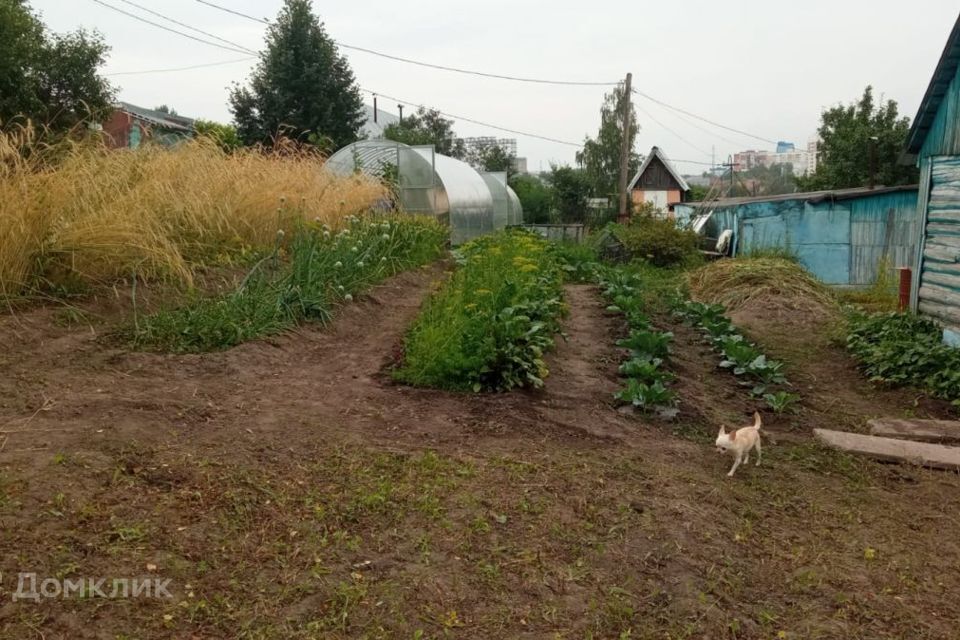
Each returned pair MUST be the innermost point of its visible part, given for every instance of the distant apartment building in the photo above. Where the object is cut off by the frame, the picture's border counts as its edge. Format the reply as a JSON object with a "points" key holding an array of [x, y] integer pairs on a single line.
{"points": [[802, 160]]}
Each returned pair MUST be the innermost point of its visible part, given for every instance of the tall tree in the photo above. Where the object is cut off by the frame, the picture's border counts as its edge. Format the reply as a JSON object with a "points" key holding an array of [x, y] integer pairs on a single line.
{"points": [[302, 87], [846, 135], [600, 157], [427, 126], [50, 78], [571, 187]]}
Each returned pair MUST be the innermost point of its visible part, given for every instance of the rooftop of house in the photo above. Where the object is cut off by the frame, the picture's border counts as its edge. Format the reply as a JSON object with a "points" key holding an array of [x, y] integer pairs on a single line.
{"points": [[656, 152], [939, 84], [158, 118]]}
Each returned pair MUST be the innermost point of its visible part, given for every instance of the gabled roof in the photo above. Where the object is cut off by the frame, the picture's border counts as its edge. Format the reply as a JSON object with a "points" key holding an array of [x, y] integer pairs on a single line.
{"points": [[656, 152], [158, 118], [936, 90]]}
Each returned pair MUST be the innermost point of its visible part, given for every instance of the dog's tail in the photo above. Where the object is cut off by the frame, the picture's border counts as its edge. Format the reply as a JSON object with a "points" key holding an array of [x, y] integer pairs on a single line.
{"points": [[756, 420]]}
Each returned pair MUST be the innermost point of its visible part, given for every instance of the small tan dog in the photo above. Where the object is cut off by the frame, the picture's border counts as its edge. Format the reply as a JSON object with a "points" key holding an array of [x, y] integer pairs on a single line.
{"points": [[741, 441]]}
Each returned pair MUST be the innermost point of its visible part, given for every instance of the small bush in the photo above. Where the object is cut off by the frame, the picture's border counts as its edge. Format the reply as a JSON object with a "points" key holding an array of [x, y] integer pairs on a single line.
{"points": [[658, 241], [488, 327]]}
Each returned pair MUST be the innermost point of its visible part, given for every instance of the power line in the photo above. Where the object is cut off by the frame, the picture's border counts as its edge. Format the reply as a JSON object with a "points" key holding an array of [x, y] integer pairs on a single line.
{"points": [[234, 12], [195, 66], [677, 135], [184, 24], [482, 74], [709, 132], [166, 28], [708, 121], [483, 124], [429, 65]]}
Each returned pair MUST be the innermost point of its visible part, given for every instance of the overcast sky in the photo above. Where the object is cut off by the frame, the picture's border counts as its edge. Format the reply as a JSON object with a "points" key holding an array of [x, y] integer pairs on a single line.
{"points": [[764, 67]]}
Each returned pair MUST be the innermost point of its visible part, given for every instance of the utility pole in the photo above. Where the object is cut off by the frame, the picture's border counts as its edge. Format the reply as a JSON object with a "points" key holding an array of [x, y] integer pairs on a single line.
{"points": [[625, 148], [374, 108], [873, 159], [730, 164], [400, 107]]}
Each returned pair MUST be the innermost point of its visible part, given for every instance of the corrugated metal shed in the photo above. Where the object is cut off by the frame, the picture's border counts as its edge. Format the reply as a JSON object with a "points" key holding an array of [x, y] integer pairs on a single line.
{"points": [[935, 138], [843, 236]]}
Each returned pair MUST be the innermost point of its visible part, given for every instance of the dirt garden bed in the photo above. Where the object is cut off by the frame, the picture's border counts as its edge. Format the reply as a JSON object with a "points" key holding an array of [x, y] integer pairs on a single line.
{"points": [[288, 489]]}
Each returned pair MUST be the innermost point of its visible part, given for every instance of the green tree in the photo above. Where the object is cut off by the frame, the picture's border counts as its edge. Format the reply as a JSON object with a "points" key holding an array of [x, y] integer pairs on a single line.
{"points": [[427, 126], [571, 188], [600, 157], [846, 135], [50, 78], [224, 135], [536, 198], [490, 156], [302, 86], [697, 193]]}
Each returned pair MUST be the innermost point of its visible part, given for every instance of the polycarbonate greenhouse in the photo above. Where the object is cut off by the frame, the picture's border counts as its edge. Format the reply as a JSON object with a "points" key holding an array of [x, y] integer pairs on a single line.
{"points": [[431, 183]]}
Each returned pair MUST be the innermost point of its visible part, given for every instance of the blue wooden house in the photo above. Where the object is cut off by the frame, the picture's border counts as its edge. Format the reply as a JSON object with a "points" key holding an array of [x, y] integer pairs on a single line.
{"points": [[935, 140]]}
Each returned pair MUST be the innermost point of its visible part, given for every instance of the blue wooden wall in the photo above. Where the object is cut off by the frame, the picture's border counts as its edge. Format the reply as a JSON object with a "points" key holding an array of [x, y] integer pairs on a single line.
{"points": [[842, 242], [936, 290]]}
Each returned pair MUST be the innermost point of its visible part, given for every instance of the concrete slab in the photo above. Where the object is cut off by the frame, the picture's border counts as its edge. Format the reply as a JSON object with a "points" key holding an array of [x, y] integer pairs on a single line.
{"points": [[924, 454], [946, 431]]}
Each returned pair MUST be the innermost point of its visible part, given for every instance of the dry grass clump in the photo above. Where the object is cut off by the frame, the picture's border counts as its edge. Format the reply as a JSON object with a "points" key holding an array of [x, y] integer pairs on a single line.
{"points": [[772, 283], [79, 213]]}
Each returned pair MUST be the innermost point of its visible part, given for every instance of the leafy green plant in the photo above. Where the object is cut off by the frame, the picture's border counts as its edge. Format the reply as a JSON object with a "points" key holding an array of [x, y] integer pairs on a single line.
{"points": [[645, 370], [781, 400], [738, 355], [488, 327], [905, 349], [644, 343], [646, 396]]}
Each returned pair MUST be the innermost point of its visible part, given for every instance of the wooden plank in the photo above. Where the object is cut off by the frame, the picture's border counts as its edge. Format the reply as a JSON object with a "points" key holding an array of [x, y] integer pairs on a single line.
{"points": [[920, 430], [935, 456]]}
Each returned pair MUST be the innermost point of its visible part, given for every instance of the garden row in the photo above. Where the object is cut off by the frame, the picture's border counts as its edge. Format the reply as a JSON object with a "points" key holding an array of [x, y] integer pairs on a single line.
{"points": [[741, 357], [488, 326], [303, 279], [649, 349]]}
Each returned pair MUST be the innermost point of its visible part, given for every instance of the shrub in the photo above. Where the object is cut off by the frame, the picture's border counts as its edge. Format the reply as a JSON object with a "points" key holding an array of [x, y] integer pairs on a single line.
{"points": [[323, 268], [488, 327], [658, 241]]}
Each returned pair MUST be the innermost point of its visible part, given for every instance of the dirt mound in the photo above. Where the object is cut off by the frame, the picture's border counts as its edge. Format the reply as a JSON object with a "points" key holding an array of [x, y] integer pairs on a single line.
{"points": [[775, 288]]}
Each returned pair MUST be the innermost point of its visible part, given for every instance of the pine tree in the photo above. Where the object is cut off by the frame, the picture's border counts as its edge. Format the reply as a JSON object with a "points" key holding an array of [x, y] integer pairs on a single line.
{"points": [[302, 87]]}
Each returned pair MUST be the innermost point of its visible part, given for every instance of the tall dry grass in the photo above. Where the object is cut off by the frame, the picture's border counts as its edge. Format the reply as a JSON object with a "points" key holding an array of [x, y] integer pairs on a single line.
{"points": [[79, 213]]}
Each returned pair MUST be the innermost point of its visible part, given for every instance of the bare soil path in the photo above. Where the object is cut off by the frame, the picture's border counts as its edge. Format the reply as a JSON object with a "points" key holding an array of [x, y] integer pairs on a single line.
{"points": [[290, 490]]}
